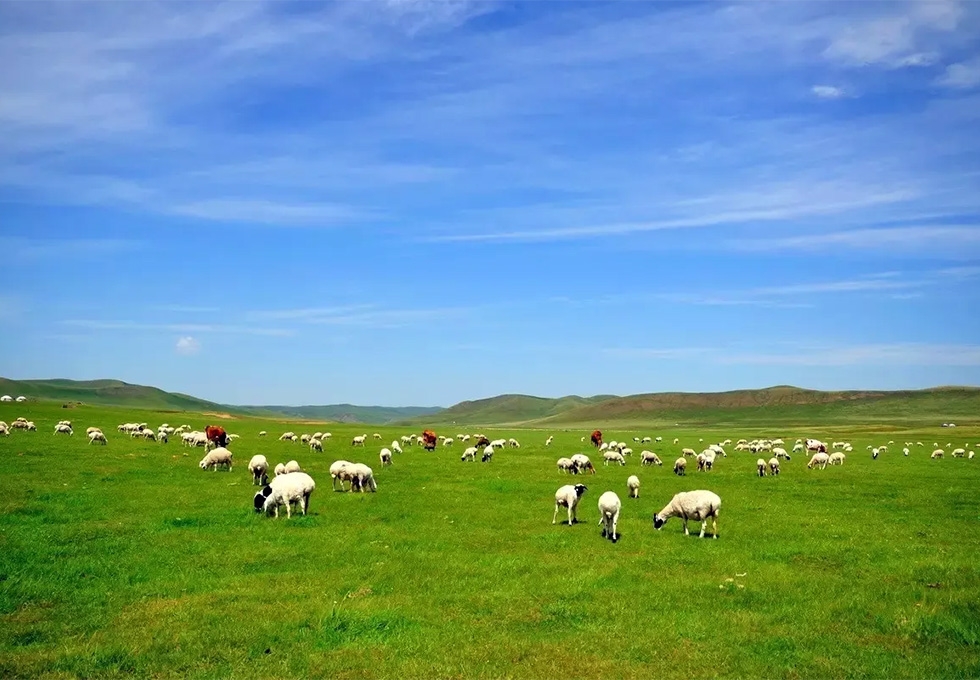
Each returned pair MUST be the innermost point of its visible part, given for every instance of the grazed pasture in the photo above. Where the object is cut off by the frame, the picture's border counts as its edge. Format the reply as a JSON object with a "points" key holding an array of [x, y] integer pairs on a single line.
{"points": [[129, 559]]}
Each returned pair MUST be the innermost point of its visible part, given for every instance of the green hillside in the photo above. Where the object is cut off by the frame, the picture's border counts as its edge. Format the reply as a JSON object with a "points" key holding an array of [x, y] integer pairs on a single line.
{"points": [[349, 413], [513, 408], [107, 393]]}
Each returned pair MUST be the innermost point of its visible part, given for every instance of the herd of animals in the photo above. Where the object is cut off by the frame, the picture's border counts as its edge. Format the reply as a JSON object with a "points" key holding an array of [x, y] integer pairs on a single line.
{"points": [[291, 486]]}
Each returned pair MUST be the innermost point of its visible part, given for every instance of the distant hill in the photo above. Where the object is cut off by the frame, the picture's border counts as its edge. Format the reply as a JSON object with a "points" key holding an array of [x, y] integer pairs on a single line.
{"points": [[514, 408], [107, 393], [349, 413]]}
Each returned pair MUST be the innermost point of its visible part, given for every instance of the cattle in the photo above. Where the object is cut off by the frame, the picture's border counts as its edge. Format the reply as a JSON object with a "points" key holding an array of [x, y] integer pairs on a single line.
{"points": [[429, 440], [597, 438], [483, 442], [217, 435]]}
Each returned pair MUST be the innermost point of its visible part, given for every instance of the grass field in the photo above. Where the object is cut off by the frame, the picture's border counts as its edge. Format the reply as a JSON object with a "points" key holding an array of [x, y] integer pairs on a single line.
{"points": [[129, 560]]}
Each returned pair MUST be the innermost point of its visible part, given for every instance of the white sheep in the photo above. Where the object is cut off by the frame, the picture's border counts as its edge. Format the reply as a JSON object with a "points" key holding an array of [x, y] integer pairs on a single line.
{"points": [[937, 454], [649, 458], [88, 431], [760, 466], [395, 446], [633, 484], [613, 457], [688, 452], [376, 435], [280, 469], [566, 465], [609, 507], [582, 463], [316, 445], [547, 442], [326, 435], [362, 477], [216, 457], [568, 497], [259, 467], [286, 490], [958, 453], [338, 471], [819, 460], [286, 436], [470, 453], [385, 456], [774, 465], [706, 460], [514, 443], [647, 440], [487, 454], [780, 452], [680, 466], [96, 436], [292, 466], [61, 428], [358, 440], [305, 438], [698, 505], [836, 458], [263, 433]]}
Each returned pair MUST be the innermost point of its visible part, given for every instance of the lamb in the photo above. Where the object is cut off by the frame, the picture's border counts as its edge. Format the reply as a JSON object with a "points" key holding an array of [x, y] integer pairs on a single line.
{"points": [[316, 445], [216, 457], [819, 459], [937, 454], [568, 496], [649, 458], [698, 505], [93, 437], [61, 428], [837, 458], [774, 465], [566, 465], [798, 448], [625, 451], [761, 467], [385, 456], [286, 490], [259, 467], [470, 453], [292, 466], [680, 466], [582, 463], [362, 476], [633, 484], [613, 456], [338, 472], [609, 507]]}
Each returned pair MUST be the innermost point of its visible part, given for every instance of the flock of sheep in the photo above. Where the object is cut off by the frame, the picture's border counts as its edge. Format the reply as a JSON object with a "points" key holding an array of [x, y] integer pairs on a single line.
{"points": [[291, 486]]}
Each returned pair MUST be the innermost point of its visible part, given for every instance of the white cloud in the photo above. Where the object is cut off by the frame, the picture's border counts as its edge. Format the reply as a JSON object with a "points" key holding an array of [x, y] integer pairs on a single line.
{"points": [[827, 91], [188, 345], [961, 239], [962, 76], [98, 325]]}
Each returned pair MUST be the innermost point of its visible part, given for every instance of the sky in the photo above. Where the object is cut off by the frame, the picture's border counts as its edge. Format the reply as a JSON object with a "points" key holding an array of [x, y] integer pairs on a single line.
{"points": [[417, 202]]}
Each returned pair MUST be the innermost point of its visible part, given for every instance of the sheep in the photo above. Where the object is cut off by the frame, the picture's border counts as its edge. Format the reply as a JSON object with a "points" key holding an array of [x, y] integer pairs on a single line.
{"points": [[385, 456], [395, 446], [280, 469], [613, 456], [357, 441], [706, 460], [649, 458], [566, 465], [626, 451], [633, 484], [61, 428], [636, 440], [779, 452], [798, 448], [487, 454], [688, 452], [219, 456], [905, 451], [233, 437], [148, 434], [698, 505], [609, 507], [647, 440], [305, 438], [316, 445], [658, 439], [294, 439], [4, 431], [969, 456], [680, 466], [292, 466], [514, 443], [958, 453], [96, 436], [547, 442], [760, 465], [376, 435], [774, 465], [326, 435], [582, 463], [568, 496], [286, 436], [259, 467], [470, 453], [820, 459], [88, 431], [362, 476], [163, 437], [263, 433], [286, 490], [837, 458], [338, 472], [676, 440], [718, 450], [937, 454]]}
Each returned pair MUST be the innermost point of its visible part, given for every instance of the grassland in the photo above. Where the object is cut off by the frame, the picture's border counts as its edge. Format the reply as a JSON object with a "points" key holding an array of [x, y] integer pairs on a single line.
{"points": [[129, 560]]}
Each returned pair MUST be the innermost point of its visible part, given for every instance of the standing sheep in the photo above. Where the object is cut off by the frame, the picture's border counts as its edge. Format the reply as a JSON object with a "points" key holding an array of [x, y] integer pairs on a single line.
{"points": [[613, 457], [609, 507], [97, 436], [286, 490], [680, 467], [568, 497], [259, 467], [697, 505], [338, 471], [937, 454], [761, 467], [470, 453], [649, 458], [836, 458], [362, 477], [216, 457], [819, 460], [633, 484], [385, 456], [582, 463], [566, 465], [292, 466], [774, 465], [316, 445]]}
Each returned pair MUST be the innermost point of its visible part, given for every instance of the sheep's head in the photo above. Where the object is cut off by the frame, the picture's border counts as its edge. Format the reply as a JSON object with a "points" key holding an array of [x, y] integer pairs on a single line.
{"points": [[580, 489], [204, 463], [261, 496], [658, 522]]}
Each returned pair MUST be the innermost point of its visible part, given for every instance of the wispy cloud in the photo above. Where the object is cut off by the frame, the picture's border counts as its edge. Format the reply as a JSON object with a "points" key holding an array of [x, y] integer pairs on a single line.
{"points": [[98, 325], [827, 91], [60, 248], [961, 76], [886, 239], [186, 309], [269, 212], [366, 315]]}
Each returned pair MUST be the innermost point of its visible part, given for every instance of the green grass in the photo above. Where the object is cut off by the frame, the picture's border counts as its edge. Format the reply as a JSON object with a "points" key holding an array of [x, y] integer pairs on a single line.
{"points": [[129, 560]]}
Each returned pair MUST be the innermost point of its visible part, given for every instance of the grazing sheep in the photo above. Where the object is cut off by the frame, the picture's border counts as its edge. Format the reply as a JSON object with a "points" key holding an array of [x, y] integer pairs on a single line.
{"points": [[626, 451], [566, 465], [395, 446], [93, 437], [326, 435], [259, 467], [63, 429], [286, 436], [688, 452], [547, 442], [305, 438], [292, 466], [761, 467], [216, 457], [361, 477], [633, 484], [969, 456], [88, 431], [613, 457], [905, 451], [338, 471], [385, 456], [780, 453], [706, 460], [698, 505], [316, 445], [820, 460], [837, 458], [376, 435], [609, 507], [487, 454], [280, 469], [163, 437], [680, 466], [774, 465], [4, 431], [958, 453], [514, 443], [358, 440], [263, 433], [650, 458], [286, 490], [937, 454], [470, 453], [582, 463], [798, 448], [676, 440], [568, 497], [647, 440]]}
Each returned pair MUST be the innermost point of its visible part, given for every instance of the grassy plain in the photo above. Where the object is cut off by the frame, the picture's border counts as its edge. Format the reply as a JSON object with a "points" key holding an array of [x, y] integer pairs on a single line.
{"points": [[128, 559]]}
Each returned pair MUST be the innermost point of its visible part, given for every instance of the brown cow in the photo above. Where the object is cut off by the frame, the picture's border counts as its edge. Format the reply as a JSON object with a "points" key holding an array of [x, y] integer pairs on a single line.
{"points": [[217, 435], [597, 438], [429, 440]]}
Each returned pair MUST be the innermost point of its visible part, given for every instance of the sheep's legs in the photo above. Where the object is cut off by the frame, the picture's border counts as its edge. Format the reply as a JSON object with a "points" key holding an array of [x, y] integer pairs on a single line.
{"points": [[685, 527], [704, 524], [554, 519]]}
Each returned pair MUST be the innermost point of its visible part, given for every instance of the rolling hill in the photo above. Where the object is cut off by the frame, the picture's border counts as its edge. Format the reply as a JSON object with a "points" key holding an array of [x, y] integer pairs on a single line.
{"points": [[106, 393], [347, 413]]}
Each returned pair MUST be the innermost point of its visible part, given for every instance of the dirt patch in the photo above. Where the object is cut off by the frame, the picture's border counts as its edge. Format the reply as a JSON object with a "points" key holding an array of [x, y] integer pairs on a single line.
{"points": [[224, 416]]}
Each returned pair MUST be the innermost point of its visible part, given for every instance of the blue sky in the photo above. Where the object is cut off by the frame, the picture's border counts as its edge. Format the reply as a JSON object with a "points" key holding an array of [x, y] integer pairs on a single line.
{"points": [[419, 201]]}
